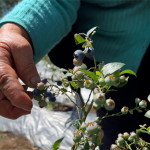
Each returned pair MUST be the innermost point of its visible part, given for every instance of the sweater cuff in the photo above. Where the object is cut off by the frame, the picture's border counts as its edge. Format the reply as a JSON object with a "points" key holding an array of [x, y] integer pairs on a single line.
{"points": [[46, 21]]}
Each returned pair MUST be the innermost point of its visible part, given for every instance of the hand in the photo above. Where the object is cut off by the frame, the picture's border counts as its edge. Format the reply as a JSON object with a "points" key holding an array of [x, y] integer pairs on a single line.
{"points": [[16, 61]]}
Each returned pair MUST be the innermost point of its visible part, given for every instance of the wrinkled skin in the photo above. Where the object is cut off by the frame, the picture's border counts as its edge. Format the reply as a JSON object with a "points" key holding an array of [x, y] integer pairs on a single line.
{"points": [[16, 61]]}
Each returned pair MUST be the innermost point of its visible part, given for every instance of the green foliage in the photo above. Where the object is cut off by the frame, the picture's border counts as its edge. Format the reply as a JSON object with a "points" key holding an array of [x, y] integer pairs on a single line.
{"points": [[86, 146], [111, 68], [148, 98], [128, 71], [78, 39], [91, 30], [74, 85], [63, 90], [55, 146], [90, 74], [147, 114], [124, 83], [63, 70], [77, 123]]}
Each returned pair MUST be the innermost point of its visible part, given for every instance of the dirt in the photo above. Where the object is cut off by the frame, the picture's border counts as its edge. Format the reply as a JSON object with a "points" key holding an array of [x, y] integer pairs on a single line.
{"points": [[11, 141]]}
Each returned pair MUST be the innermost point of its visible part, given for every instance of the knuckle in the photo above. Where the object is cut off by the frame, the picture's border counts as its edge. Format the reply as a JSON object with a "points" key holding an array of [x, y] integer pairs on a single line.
{"points": [[4, 80]]}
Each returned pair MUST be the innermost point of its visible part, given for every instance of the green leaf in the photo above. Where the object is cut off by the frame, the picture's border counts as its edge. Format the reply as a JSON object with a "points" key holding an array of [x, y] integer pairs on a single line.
{"points": [[52, 76], [63, 90], [91, 30], [86, 146], [77, 123], [98, 73], [70, 71], [142, 131], [131, 112], [68, 74], [147, 114], [111, 68], [100, 65], [148, 129], [139, 110], [124, 83], [90, 74], [148, 98], [128, 71], [62, 69], [79, 39], [74, 85], [55, 146]]}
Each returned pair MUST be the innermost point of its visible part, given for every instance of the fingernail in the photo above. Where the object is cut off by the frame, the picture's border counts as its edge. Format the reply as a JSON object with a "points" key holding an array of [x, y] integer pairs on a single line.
{"points": [[27, 113], [26, 107], [34, 81]]}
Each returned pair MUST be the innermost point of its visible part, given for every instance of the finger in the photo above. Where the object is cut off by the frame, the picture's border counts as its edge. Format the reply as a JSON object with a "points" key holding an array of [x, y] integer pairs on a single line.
{"points": [[29, 94], [2, 96], [12, 89], [23, 59], [9, 111]]}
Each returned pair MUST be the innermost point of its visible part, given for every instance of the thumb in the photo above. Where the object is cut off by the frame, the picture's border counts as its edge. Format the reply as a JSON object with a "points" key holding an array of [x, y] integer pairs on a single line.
{"points": [[22, 54]]}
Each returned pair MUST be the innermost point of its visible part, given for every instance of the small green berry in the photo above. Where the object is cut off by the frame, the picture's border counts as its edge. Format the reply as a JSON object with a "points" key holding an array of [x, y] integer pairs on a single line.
{"points": [[126, 135], [96, 90], [83, 67], [80, 84], [89, 84], [98, 120], [109, 104], [124, 110], [130, 139], [109, 80], [143, 104], [40, 86], [133, 135], [83, 126], [120, 140], [122, 79], [102, 81], [137, 100], [99, 98], [92, 128], [77, 63], [77, 137], [79, 75], [114, 147], [96, 106]]}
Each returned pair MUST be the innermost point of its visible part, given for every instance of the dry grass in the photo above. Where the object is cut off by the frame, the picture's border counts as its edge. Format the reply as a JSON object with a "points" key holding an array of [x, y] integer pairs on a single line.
{"points": [[11, 141]]}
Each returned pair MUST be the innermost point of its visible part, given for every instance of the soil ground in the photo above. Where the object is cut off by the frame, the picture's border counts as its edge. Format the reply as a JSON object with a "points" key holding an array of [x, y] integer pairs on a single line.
{"points": [[11, 141]]}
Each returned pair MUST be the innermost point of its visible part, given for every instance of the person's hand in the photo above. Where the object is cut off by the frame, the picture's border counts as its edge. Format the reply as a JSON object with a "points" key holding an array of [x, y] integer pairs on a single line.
{"points": [[16, 61]]}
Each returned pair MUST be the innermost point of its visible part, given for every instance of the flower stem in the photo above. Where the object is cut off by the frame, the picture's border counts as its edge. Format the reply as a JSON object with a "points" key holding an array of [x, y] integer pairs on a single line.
{"points": [[94, 61]]}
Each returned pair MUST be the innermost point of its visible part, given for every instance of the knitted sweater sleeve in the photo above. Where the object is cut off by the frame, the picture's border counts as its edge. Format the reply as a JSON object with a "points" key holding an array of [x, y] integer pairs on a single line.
{"points": [[46, 21]]}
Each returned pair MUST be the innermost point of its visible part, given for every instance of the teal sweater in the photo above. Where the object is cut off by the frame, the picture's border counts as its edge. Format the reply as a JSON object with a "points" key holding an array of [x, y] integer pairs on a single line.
{"points": [[123, 34]]}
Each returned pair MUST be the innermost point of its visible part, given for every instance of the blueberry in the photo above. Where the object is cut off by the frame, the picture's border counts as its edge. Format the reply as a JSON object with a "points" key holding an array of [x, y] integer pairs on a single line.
{"points": [[89, 51], [47, 93], [78, 55], [36, 93], [44, 80], [59, 83], [52, 99]]}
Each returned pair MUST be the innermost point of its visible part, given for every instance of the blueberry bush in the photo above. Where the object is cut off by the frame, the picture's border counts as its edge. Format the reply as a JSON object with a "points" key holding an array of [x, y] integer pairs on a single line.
{"points": [[99, 79]]}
